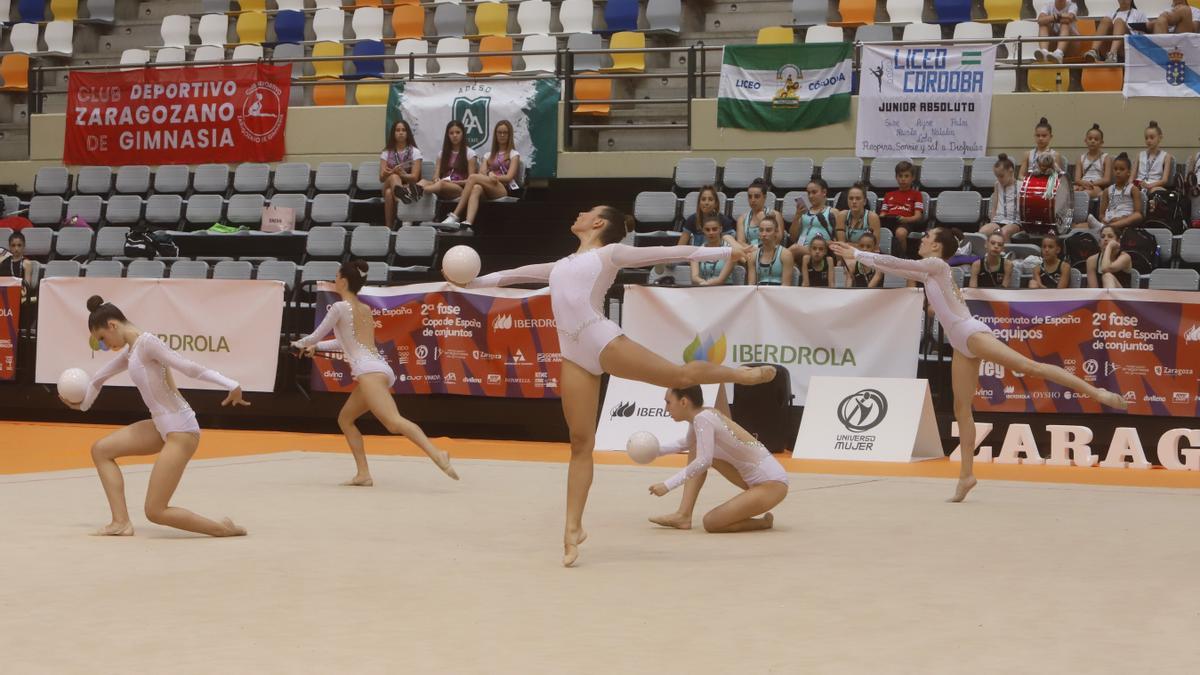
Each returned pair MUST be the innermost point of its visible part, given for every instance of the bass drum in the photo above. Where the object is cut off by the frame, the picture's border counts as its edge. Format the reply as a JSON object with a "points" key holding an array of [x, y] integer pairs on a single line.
{"points": [[1043, 202]]}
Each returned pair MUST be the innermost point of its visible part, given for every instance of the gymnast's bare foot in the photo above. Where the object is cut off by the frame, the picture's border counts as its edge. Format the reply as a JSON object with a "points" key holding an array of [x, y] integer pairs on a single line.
{"points": [[115, 529], [233, 530], [571, 544], [443, 463], [769, 519], [675, 520], [759, 375], [964, 486], [360, 481], [1114, 400]]}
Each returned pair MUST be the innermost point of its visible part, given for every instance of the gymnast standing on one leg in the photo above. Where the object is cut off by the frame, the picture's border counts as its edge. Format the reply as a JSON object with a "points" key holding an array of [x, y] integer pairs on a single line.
{"points": [[172, 432], [352, 325], [592, 345], [971, 339]]}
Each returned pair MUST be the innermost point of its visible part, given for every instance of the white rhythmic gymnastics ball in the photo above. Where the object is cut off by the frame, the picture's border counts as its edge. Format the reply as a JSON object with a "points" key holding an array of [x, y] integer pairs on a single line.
{"points": [[73, 384], [642, 447], [460, 265]]}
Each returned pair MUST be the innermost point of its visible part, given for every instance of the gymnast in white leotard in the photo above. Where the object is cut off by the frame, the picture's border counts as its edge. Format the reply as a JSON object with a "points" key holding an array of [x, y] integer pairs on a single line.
{"points": [[353, 327], [592, 345], [715, 440], [171, 432], [971, 339]]}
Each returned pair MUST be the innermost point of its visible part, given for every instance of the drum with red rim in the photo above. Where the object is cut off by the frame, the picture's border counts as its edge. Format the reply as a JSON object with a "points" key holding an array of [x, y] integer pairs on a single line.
{"points": [[1039, 202]]}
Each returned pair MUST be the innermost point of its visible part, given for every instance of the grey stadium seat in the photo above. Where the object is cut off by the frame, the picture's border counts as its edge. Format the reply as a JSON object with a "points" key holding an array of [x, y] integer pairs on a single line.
{"points": [[87, 207], [39, 241], [741, 171], [252, 177], [334, 177], [655, 210], [133, 179], [94, 180], [172, 180], [204, 210], [372, 241], [1174, 280], [841, 172], [942, 173], [959, 207], [319, 270], [164, 209], [61, 268], [237, 270], [296, 202], [330, 208], [104, 268], [584, 42], [417, 241], [110, 241], [1166, 243], [292, 177], [1189, 247], [278, 270], [791, 173], [808, 13], [211, 178], [51, 180], [245, 209], [367, 177], [693, 173], [46, 210], [73, 242], [419, 211], [690, 199], [882, 172], [190, 269], [982, 176], [377, 271], [326, 242], [123, 210], [146, 269]]}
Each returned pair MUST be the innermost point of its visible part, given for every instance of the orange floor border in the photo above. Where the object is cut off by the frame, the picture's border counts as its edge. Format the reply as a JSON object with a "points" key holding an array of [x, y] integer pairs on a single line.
{"points": [[34, 447]]}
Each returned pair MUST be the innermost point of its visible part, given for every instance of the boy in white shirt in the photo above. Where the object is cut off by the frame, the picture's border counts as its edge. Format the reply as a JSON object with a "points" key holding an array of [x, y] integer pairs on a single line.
{"points": [[1055, 18]]}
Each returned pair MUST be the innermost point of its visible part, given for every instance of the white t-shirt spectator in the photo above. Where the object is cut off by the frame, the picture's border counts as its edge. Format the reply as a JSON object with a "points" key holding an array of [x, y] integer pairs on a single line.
{"points": [[1134, 15], [1048, 8], [448, 169], [403, 158], [502, 168]]}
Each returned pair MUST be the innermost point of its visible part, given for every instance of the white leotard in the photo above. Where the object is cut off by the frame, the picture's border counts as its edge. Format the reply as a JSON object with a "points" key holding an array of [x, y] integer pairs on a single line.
{"points": [[148, 360], [1150, 169], [578, 283], [1093, 169], [712, 438], [1120, 202], [361, 357], [944, 295]]}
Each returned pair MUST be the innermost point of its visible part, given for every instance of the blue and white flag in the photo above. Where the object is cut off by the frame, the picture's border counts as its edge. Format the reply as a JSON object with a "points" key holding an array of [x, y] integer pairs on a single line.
{"points": [[1162, 65]]}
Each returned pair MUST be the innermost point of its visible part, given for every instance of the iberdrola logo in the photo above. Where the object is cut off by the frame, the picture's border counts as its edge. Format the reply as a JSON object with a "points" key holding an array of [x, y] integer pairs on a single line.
{"points": [[706, 349]]}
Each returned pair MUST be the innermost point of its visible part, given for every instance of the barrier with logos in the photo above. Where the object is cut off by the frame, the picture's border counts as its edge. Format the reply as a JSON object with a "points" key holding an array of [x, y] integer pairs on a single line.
{"points": [[10, 322], [442, 339], [229, 326]]}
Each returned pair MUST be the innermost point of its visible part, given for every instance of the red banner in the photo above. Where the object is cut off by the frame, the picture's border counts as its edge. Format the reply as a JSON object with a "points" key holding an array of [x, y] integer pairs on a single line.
{"points": [[10, 321], [189, 115], [1143, 344], [444, 340]]}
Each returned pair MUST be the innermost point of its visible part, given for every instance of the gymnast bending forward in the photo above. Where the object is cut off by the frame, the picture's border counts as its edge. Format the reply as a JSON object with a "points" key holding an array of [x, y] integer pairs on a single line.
{"points": [[592, 345], [971, 339]]}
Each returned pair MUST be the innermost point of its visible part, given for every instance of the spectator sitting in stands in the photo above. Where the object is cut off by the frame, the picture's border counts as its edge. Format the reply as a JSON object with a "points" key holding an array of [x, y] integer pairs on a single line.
{"points": [[817, 268], [1180, 18], [993, 270], [1093, 173], [749, 226], [1054, 272], [863, 276], [1120, 203], [712, 272], [903, 209], [1154, 165], [1056, 18], [708, 203], [1004, 218], [1116, 24], [1110, 268], [399, 170], [13, 263], [455, 163], [857, 218], [818, 220], [496, 178], [773, 264], [1043, 133]]}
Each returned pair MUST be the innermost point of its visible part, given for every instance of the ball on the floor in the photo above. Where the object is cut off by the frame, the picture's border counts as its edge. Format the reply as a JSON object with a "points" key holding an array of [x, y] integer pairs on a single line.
{"points": [[460, 265], [642, 447], [73, 384]]}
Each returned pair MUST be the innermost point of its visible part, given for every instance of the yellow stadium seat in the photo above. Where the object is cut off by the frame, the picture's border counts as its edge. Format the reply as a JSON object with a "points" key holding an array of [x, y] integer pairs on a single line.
{"points": [[252, 5], [1050, 79], [494, 64], [856, 13], [14, 71], [776, 35], [64, 10], [371, 92], [331, 68], [593, 90], [252, 28], [1001, 11], [408, 22], [628, 62], [491, 18]]}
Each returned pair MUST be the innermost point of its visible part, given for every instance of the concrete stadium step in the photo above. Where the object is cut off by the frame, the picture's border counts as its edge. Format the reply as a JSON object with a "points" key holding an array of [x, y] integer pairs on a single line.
{"points": [[157, 9], [14, 141]]}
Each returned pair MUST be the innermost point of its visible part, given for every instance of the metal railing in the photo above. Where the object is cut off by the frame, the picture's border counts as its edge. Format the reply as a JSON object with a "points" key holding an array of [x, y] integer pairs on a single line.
{"points": [[695, 72]]}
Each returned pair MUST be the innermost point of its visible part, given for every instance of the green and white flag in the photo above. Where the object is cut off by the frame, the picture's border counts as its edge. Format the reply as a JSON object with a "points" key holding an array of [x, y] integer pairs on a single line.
{"points": [[785, 87], [530, 105]]}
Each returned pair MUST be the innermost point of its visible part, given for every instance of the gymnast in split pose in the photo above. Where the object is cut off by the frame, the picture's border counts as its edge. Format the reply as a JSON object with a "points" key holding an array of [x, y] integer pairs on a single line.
{"points": [[353, 328], [171, 432], [592, 345], [971, 339], [717, 441]]}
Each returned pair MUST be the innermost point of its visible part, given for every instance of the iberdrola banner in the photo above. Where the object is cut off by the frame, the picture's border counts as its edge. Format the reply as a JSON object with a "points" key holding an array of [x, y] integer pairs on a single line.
{"points": [[1162, 65], [785, 87], [530, 105]]}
